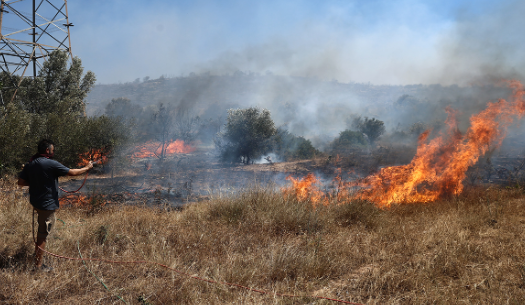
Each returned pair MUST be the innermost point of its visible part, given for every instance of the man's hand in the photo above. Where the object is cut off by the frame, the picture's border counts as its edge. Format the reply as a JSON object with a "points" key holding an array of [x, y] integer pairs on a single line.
{"points": [[80, 171]]}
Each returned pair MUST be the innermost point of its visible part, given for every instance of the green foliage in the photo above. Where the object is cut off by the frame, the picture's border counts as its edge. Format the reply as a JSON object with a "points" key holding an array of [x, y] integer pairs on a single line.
{"points": [[305, 149], [246, 136], [15, 134], [291, 147], [372, 128], [52, 106], [348, 139], [59, 88]]}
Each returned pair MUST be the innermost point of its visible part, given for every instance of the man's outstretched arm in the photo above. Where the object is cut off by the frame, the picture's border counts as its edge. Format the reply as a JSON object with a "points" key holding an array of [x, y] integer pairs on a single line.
{"points": [[80, 171]]}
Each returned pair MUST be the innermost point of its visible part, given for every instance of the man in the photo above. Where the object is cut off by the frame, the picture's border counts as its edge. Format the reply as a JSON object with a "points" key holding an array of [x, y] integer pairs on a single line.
{"points": [[41, 175]]}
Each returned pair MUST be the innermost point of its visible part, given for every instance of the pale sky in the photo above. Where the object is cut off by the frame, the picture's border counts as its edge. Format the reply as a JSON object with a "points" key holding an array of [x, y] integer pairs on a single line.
{"points": [[382, 42]]}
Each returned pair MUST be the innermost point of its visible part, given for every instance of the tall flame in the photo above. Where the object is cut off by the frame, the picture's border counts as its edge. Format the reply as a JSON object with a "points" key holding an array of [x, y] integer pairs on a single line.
{"points": [[440, 165], [437, 170]]}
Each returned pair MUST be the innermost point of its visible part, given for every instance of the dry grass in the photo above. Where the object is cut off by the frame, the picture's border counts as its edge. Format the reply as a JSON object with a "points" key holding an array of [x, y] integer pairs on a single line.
{"points": [[465, 250]]}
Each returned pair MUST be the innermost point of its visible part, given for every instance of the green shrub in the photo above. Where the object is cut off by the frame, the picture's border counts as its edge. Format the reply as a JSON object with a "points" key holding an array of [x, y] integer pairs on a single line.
{"points": [[348, 140]]}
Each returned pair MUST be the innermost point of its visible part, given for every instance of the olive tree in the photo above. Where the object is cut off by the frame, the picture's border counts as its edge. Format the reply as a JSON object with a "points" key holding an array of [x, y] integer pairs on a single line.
{"points": [[246, 134], [51, 106], [59, 87]]}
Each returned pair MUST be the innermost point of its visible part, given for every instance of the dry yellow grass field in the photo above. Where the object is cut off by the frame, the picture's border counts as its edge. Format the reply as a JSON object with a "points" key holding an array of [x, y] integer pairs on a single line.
{"points": [[464, 250]]}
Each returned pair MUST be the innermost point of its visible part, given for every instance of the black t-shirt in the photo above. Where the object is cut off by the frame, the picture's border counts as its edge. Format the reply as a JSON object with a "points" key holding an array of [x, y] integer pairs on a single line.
{"points": [[42, 175]]}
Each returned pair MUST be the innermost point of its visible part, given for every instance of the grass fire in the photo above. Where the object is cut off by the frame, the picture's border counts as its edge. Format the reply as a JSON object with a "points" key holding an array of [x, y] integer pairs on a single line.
{"points": [[400, 203]]}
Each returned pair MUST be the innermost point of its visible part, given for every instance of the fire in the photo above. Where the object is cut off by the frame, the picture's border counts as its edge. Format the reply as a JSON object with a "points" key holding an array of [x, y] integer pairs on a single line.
{"points": [[440, 164], [306, 188], [80, 200], [75, 200], [155, 149], [309, 188], [95, 155]]}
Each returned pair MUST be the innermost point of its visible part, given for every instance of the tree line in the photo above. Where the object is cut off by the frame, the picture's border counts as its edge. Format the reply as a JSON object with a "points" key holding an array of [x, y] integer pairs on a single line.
{"points": [[52, 106]]}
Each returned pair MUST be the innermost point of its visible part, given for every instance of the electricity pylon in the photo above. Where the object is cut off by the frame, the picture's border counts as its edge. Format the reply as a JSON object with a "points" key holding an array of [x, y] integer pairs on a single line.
{"points": [[44, 22]]}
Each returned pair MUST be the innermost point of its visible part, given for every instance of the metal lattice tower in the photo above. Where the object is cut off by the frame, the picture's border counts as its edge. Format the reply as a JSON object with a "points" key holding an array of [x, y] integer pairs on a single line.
{"points": [[29, 31]]}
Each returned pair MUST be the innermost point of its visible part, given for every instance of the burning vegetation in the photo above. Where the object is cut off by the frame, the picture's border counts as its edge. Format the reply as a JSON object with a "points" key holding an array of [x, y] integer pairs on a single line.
{"points": [[98, 156], [285, 223], [159, 150], [439, 166]]}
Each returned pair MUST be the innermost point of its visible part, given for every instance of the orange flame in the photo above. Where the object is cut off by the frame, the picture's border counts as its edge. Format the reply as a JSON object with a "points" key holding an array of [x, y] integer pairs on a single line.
{"points": [[154, 149], [75, 200], [95, 155], [440, 165], [309, 188], [80, 200], [306, 188]]}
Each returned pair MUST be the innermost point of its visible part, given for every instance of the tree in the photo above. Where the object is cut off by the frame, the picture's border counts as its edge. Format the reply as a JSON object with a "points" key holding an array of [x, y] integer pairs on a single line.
{"points": [[186, 125], [15, 133], [348, 139], [372, 128], [59, 88], [122, 107], [163, 127], [52, 106], [247, 133], [289, 146]]}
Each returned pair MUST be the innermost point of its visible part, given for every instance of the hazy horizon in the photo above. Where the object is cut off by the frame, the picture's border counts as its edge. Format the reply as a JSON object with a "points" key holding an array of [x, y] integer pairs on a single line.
{"points": [[381, 42]]}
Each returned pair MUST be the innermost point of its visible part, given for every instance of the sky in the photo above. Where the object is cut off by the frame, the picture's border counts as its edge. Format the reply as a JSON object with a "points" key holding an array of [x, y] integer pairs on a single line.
{"points": [[381, 42]]}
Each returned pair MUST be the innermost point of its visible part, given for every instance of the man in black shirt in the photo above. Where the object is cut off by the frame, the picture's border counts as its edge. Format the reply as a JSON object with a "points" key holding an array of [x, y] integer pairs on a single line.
{"points": [[41, 175]]}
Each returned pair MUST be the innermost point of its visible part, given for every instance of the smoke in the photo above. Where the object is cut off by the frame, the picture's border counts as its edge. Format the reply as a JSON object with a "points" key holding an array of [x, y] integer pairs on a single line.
{"points": [[404, 43], [314, 66], [484, 47], [311, 64], [382, 42]]}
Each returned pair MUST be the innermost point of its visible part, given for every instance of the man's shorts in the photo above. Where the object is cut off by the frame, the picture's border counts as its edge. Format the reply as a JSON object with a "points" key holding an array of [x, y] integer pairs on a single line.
{"points": [[46, 221]]}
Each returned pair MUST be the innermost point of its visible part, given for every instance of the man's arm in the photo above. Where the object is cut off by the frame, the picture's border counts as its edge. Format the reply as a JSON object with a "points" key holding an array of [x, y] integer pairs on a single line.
{"points": [[80, 171], [22, 182]]}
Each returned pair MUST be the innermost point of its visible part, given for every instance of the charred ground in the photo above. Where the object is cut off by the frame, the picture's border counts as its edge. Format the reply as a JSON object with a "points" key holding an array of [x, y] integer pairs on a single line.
{"points": [[179, 179]]}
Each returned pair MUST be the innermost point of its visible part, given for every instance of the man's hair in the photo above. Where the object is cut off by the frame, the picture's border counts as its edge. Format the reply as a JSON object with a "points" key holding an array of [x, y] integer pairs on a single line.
{"points": [[43, 145]]}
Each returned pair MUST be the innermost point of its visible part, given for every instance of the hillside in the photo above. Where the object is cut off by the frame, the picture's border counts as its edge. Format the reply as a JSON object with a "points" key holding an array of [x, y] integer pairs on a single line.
{"points": [[308, 107]]}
